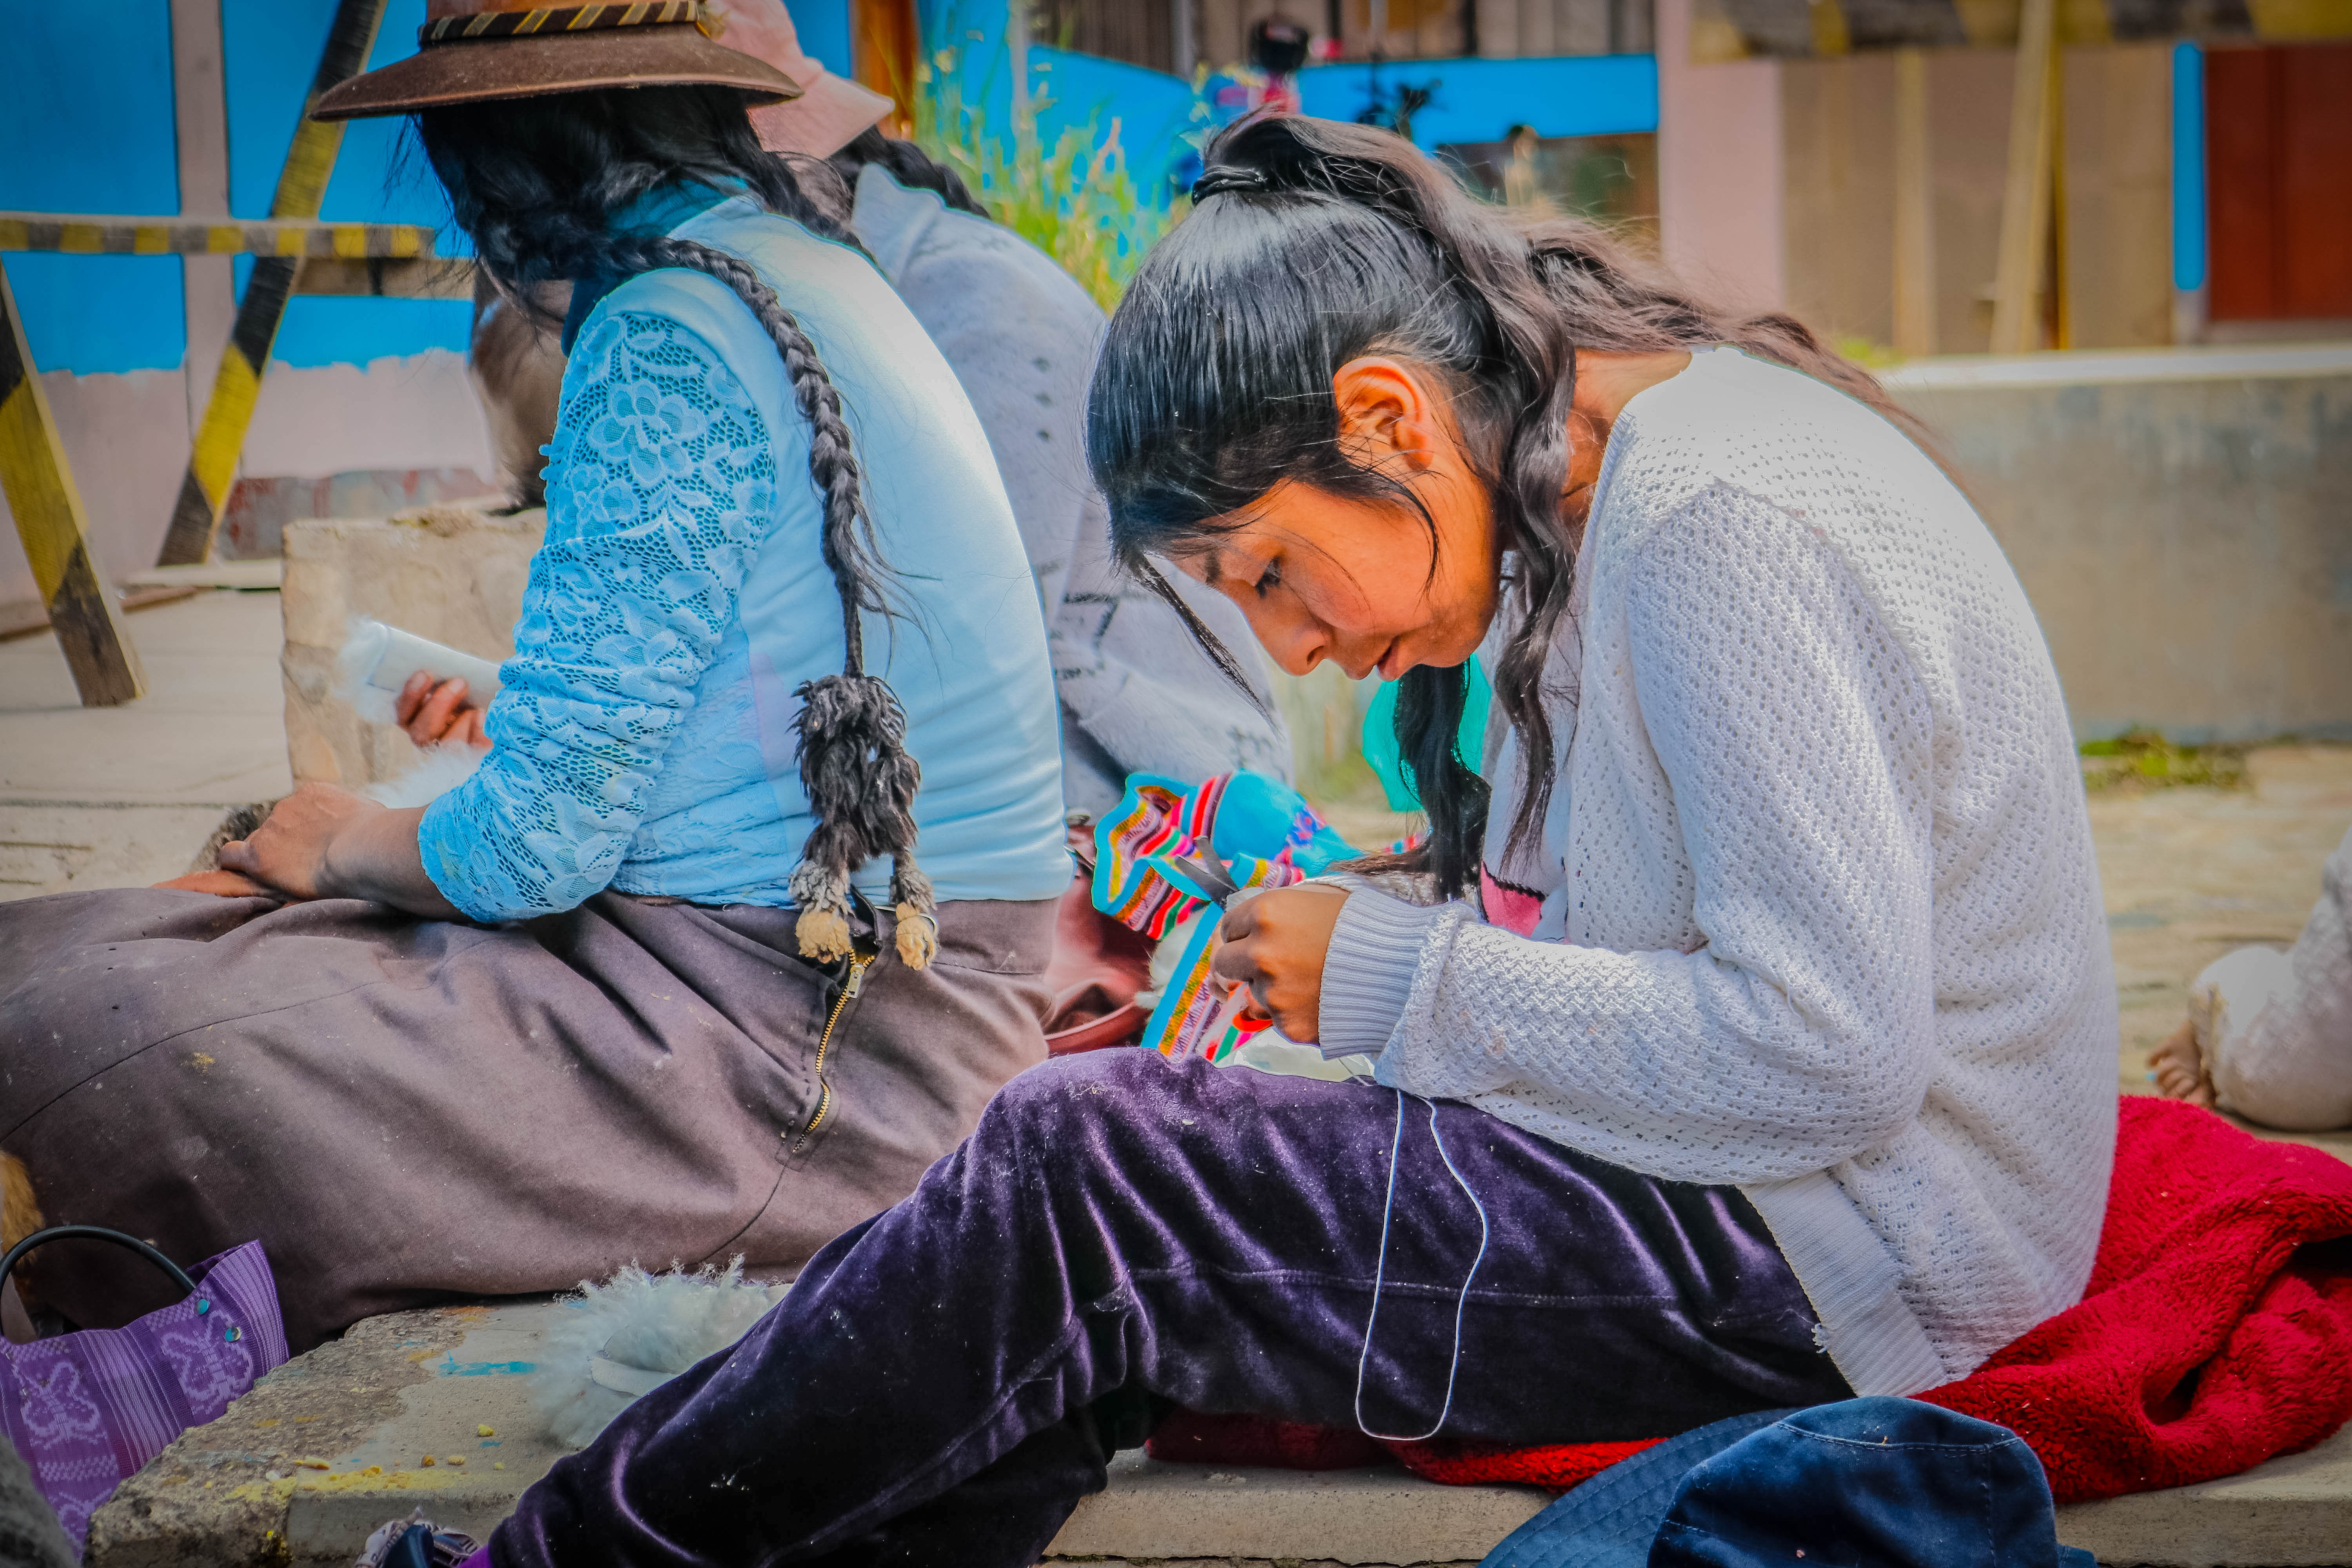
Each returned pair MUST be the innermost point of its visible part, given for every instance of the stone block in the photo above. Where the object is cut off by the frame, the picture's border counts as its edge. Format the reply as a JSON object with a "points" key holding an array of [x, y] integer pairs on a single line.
{"points": [[365, 1410], [454, 573]]}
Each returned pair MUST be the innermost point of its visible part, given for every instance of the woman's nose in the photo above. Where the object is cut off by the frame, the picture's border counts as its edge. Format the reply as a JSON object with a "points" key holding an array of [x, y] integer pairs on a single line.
{"points": [[1293, 639]]}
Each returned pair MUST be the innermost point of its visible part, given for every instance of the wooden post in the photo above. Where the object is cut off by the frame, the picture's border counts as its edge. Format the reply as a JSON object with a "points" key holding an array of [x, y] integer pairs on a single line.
{"points": [[301, 186], [1915, 209], [50, 520], [2026, 196]]}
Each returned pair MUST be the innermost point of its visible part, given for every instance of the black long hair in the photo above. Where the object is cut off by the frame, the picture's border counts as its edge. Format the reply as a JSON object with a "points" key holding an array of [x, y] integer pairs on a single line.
{"points": [[1313, 242], [537, 184], [908, 165]]}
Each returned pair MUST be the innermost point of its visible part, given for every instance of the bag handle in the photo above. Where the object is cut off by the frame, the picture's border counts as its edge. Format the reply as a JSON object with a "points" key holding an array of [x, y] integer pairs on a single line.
{"points": [[96, 1233]]}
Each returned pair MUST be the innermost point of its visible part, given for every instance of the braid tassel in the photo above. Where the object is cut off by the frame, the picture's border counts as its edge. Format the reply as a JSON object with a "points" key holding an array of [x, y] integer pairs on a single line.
{"points": [[852, 743], [861, 784], [917, 912]]}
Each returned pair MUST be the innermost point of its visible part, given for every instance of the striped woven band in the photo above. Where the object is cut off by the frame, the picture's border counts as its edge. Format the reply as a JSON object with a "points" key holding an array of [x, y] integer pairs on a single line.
{"points": [[571, 19]]}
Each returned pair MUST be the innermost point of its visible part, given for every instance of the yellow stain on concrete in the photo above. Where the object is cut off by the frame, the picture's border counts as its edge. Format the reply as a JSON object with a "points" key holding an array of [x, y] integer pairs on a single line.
{"points": [[374, 1478]]}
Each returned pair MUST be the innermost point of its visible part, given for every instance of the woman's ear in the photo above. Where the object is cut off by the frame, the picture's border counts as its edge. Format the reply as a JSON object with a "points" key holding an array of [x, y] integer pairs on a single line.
{"points": [[1385, 417]]}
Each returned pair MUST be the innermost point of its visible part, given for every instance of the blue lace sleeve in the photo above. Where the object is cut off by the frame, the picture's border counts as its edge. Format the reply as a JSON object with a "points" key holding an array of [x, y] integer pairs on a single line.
{"points": [[661, 483]]}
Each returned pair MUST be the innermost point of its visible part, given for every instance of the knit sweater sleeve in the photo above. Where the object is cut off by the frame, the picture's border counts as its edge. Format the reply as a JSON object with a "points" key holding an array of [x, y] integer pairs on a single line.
{"points": [[1795, 735]]}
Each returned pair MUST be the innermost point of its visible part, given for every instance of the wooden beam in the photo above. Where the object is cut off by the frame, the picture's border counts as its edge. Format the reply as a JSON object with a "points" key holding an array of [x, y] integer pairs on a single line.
{"points": [[2026, 196], [39, 485], [81, 234], [301, 186], [1915, 209]]}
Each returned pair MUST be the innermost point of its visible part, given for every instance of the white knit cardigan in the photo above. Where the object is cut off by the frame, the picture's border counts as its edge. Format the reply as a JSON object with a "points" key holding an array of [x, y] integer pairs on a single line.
{"points": [[1820, 914]]}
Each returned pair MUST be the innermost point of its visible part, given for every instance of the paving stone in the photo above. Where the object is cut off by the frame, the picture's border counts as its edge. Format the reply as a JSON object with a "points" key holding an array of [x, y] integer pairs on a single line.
{"points": [[366, 1410], [118, 797]]}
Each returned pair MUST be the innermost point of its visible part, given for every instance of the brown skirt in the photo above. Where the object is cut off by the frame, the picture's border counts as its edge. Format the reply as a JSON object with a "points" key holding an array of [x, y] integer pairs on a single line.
{"points": [[405, 1110]]}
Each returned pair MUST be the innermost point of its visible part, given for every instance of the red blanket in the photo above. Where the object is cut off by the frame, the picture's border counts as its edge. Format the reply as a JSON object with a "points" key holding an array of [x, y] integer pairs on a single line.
{"points": [[2216, 1332]]}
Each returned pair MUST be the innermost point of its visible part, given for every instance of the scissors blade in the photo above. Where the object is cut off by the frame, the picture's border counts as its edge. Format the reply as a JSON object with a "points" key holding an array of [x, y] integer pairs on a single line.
{"points": [[1210, 873]]}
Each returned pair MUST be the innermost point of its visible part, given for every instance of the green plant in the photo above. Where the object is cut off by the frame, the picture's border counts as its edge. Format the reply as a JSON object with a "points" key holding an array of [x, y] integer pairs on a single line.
{"points": [[2144, 759], [1075, 200], [1868, 354]]}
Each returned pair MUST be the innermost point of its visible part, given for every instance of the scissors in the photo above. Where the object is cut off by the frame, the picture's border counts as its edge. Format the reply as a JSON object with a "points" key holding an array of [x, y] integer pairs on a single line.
{"points": [[1209, 873]]}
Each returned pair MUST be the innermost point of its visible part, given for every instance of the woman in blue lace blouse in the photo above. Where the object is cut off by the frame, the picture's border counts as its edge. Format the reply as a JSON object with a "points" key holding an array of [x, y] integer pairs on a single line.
{"points": [[664, 980]]}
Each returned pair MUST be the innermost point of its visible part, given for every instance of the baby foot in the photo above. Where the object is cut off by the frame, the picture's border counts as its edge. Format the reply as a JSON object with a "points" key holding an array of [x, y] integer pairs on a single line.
{"points": [[2177, 1069]]}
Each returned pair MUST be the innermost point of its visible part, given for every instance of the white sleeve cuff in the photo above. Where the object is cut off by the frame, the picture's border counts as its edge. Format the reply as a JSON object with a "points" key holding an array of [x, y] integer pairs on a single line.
{"points": [[1368, 971]]}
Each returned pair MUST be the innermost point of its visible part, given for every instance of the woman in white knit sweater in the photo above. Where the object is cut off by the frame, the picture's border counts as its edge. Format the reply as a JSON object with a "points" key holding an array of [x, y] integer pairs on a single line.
{"points": [[1772, 1061]]}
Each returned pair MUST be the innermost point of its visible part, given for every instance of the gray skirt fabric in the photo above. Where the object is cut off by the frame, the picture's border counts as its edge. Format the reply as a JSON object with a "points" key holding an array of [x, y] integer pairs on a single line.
{"points": [[404, 1110]]}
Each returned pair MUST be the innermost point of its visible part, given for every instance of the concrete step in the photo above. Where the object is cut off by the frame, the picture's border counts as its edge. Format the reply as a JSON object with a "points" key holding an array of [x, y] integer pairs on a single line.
{"points": [[430, 1410]]}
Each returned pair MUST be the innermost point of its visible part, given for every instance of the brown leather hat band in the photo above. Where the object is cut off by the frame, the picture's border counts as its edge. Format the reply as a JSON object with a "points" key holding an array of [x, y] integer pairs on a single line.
{"points": [[488, 25]]}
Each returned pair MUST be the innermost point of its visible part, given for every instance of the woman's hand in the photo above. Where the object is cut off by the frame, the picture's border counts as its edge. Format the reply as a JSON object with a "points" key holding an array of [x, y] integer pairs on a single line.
{"points": [[432, 712], [322, 842], [290, 850], [1274, 943]]}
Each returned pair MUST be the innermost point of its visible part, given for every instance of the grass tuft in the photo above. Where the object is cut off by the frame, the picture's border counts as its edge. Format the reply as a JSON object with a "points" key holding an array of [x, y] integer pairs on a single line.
{"points": [[1075, 200], [2144, 759]]}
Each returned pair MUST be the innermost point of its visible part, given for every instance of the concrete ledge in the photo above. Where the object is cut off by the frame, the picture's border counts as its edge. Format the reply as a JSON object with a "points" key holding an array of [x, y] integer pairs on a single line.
{"points": [[1159, 1512], [334, 1442]]}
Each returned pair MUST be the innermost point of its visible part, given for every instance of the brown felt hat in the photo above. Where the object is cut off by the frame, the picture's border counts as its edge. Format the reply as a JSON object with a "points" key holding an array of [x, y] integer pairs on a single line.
{"points": [[474, 51]]}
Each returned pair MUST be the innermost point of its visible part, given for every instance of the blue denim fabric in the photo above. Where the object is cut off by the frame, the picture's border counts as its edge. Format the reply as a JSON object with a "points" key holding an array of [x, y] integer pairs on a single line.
{"points": [[1863, 1483], [1122, 1231]]}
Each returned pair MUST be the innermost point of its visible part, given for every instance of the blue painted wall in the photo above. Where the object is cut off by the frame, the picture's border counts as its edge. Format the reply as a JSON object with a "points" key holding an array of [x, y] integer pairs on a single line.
{"points": [[1480, 100], [1153, 109], [86, 126], [272, 48], [2188, 166], [824, 29]]}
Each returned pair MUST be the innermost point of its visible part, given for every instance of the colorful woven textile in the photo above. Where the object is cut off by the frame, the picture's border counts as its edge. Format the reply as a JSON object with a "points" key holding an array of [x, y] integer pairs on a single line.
{"points": [[1266, 835], [89, 1409]]}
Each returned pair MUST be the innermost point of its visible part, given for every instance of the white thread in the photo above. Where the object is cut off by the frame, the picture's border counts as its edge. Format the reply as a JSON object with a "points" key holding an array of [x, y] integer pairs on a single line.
{"points": [[1380, 1273]]}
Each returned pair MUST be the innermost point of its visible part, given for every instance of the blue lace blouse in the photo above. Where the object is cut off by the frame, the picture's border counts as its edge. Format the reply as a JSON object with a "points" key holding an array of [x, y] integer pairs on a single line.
{"points": [[643, 736]]}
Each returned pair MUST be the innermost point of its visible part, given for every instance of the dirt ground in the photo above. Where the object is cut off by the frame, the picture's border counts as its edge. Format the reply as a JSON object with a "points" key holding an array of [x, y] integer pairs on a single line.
{"points": [[2190, 873]]}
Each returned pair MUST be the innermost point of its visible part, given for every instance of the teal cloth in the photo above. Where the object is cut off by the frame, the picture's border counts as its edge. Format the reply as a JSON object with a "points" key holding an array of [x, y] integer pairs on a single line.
{"points": [[1388, 762]]}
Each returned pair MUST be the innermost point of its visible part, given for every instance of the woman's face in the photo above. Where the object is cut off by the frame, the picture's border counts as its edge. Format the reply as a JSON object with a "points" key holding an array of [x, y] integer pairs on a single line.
{"points": [[1362, 582]]}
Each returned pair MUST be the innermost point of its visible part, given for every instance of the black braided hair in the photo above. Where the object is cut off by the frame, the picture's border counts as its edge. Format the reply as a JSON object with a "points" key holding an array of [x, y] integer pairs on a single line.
{"points": [[535, 182], [908, 165]]}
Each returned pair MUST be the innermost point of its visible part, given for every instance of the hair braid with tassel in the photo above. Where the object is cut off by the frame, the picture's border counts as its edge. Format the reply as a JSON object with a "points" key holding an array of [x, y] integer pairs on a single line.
{"points": [[528, 225]]}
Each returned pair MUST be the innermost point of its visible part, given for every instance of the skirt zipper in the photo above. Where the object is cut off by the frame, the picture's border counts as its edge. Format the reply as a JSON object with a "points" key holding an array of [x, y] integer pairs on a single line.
{"points": [[824, 1042]]}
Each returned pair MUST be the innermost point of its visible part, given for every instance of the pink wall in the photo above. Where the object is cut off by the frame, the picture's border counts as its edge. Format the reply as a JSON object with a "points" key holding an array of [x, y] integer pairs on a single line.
{"points": [[1719, 171], [126, 439]]}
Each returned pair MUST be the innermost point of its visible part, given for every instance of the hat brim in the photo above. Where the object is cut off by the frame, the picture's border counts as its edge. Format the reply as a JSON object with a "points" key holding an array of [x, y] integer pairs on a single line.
{"points": [[486, 70], [829, 114]]}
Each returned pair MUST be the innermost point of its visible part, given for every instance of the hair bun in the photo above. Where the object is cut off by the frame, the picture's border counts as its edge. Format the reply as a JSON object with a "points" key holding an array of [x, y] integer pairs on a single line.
{"points": [[1230, 180]]}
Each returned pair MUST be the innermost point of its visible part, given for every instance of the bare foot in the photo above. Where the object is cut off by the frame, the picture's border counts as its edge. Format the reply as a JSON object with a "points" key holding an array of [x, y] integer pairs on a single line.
{"points": [[224, 884], [2177, 1070]]}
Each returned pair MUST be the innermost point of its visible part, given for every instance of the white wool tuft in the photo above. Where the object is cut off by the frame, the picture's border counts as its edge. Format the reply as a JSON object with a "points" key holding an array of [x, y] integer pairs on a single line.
{"points": [[638, 1330], [446, 765]]}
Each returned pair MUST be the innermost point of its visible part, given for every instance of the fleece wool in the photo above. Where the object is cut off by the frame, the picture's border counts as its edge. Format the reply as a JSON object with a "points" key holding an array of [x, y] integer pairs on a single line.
{"points": [[1813, 910]]}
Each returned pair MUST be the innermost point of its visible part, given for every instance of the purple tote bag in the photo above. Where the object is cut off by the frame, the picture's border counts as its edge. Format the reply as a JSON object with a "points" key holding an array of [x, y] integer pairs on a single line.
{"points": [[87, 1410]]}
